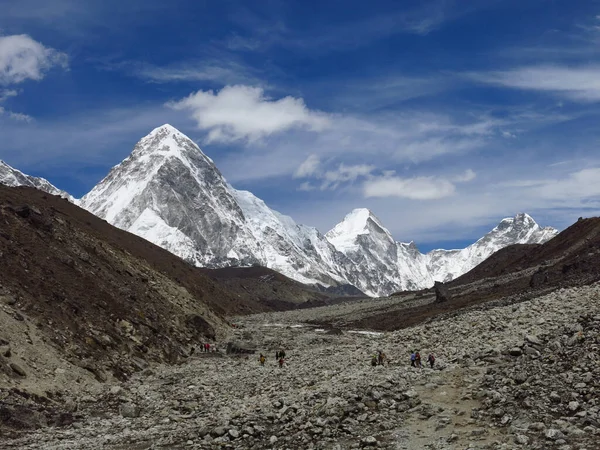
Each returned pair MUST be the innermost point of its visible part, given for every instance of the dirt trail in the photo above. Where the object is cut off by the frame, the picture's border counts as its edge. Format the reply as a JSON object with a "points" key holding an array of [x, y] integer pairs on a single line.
{"points": [[443, 420]]}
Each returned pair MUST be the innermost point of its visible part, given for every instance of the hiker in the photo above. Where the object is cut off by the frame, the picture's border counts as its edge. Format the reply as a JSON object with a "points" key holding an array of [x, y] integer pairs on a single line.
{"points": [[277, 355], [207, 347], [431, 360], [374, 360], [418, 359], [413, 358], [281, 361], [282, 354], [262, 359], [384, 359]]}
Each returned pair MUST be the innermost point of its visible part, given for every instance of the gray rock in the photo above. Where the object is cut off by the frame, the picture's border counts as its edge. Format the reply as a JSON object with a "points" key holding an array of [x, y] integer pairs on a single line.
{"points": [[573, 406], [515, 351], [234, 433], [273, 439], [532, 339], [521, 439], [130, 410], [442, 293], [553, 434], [18, 369], [369, 441]]}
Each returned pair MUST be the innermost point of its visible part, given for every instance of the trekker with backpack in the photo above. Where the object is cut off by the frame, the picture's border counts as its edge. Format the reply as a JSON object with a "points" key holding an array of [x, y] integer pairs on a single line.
{"points": [[418, 359], [262, 359], [431, 360], [413, 358]]}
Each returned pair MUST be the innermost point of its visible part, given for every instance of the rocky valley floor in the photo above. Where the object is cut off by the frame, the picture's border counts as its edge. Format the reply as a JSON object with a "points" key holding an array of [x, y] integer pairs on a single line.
{"points": [[523, 375]]}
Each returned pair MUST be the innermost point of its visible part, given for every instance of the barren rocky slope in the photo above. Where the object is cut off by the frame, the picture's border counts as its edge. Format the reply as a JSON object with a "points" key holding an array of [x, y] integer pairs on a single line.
{"points": [[511, 376]]}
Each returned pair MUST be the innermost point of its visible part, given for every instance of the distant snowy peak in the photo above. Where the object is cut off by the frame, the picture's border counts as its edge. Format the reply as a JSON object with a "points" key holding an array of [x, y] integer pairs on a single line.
{"points": [[520, 229], [445, 265], [361, 221], [10, 176]]}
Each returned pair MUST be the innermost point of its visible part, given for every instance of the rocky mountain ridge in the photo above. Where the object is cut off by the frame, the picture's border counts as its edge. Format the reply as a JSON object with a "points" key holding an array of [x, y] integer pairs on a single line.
{"points": [[170, 193]]}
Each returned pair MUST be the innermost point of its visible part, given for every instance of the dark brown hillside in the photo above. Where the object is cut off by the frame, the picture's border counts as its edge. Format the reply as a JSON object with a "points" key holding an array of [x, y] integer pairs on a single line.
{"points": [[101, 296], [501, 262]]}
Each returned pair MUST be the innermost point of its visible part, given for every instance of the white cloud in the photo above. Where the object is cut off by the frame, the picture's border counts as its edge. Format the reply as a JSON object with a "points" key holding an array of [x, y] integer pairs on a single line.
{"points": [[582, 184], [576, 83], [245, 113], [343, 174], [468, 175], [22, 58], [417, 188], [306, 186], [7, 93], [20, 117], [309, 167]]}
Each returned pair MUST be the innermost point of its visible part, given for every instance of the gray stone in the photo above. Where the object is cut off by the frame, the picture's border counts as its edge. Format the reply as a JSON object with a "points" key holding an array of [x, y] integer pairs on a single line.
{"points": [[369, 441], [442, 293], [553, 434], [234, 433], [130, 410], [521, 439], [532, 339], [18, 369], [573, 406]]}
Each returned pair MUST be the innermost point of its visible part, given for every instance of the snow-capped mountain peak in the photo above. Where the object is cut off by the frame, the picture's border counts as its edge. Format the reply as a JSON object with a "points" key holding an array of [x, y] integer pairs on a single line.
{"points": [[10, 176], [446, 265], [360, 221]]}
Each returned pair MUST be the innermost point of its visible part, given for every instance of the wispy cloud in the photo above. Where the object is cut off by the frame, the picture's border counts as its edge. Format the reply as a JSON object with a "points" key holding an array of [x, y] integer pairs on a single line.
{"points": [[19, 117], [224, 71], [417, 188], [420, 18], [344, 173], [581, 84], [245, 113], [309, 167]]}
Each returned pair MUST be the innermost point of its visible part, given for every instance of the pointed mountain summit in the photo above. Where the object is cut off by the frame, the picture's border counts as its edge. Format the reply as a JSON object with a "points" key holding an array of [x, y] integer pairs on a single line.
{"points": [[361, 221], [169, 192], [10, 176], [445, 265], [379, 263]]}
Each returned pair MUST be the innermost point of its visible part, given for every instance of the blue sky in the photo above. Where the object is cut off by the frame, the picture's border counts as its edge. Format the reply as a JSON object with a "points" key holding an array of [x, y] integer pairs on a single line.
{"points": [[440, 116]]}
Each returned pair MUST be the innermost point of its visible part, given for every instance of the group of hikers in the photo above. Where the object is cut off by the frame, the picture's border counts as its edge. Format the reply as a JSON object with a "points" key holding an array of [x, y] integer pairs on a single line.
{"points": [[205, 347], [380, 358], [415, 359], [279, 357]]}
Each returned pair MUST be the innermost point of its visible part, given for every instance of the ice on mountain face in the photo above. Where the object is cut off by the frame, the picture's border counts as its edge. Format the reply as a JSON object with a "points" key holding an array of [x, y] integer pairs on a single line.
{"points": [[10, 176]]}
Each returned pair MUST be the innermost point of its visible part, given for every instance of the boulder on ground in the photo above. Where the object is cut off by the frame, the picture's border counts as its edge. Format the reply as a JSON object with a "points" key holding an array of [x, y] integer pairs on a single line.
{"points": [[442, 293]]}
